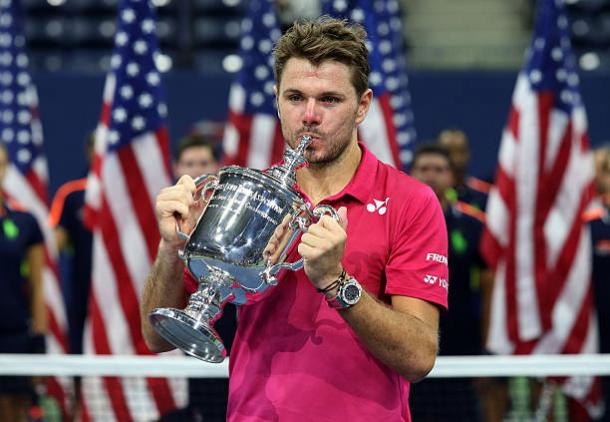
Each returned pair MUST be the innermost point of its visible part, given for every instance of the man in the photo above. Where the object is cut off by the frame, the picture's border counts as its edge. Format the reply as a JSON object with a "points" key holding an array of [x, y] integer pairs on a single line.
{"points": [[468, 189], [196, 155], [599, 222], [294, 356], [75, 240], [24, 319], [463, 327]]}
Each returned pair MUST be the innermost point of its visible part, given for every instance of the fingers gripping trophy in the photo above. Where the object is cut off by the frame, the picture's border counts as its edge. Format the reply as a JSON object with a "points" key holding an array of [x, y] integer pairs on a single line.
{"points": [[237, 248]]}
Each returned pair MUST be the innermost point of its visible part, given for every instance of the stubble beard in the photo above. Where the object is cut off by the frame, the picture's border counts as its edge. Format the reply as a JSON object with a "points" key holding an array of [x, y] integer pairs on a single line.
{"points": [[335, 147], [335, 150]]}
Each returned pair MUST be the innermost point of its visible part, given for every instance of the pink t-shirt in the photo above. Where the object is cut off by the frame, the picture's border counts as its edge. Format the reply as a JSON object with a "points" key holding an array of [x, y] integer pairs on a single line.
{"points": [[294, 358]]}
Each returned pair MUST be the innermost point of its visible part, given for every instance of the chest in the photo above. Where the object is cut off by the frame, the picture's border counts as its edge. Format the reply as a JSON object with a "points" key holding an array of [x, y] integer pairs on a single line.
{"points": [[600, 239], [368, 244], [14, 242]]}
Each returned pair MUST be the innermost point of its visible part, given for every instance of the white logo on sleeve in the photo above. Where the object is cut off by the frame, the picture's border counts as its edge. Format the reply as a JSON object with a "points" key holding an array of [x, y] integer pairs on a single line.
{"points": [[378, 206], [430, 279]]}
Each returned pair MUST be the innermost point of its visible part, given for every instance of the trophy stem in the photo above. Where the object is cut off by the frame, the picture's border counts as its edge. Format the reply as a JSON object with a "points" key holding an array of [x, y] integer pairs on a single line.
{"points": [[205, 304], [191, 330]]}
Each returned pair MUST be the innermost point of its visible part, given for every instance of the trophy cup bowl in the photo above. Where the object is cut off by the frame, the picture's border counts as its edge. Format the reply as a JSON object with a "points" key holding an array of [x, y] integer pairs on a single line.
{"points": [[225, 251]]}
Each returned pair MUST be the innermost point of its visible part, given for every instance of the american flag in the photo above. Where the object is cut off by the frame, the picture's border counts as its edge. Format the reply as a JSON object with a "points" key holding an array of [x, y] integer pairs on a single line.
{"points": [[536, 238], [131, 165], [388, 129], [27, 176], [253, 137]]}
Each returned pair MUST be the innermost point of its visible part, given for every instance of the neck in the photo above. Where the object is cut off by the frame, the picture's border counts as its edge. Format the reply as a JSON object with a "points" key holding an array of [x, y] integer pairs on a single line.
{"points": [[322, 181], [444, 203], [460, 178]]}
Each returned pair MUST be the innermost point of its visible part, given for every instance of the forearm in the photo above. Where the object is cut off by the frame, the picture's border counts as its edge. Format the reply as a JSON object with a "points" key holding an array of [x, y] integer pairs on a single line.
{"points": [[400, 340], [163, 289], [37, 305], [39, 313]]}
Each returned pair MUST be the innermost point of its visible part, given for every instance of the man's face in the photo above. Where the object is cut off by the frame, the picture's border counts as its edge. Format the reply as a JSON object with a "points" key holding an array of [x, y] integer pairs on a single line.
{"points": [[195, 161], [3, 164], [457, 145], [602, 171], [433, 170], [320, 101]]}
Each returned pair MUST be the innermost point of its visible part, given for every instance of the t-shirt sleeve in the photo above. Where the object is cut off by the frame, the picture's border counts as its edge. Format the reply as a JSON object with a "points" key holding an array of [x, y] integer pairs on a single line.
{"points": [[66, 219], [35, 233], [417, 265]]}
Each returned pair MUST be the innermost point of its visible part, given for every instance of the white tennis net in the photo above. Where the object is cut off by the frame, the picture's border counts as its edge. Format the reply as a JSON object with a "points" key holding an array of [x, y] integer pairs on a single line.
{"points": [[477, 373]]}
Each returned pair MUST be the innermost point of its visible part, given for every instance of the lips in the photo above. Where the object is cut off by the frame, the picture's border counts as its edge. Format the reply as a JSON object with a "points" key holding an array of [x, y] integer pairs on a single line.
{"points": [[312, 136]]}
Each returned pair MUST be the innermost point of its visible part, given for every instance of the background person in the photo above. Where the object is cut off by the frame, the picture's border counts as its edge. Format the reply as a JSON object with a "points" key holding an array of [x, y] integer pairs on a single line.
{"points": [[75, 242], [23, 324], [468, 189], [599, 223], [197, 154], [463, 327]]}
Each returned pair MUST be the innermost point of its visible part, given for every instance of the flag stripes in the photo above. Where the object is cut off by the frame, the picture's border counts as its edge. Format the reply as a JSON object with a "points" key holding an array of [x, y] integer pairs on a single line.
{"points": [[131, 165]]}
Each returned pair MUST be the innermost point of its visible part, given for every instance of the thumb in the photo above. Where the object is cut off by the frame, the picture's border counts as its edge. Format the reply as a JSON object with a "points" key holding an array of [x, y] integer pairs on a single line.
{"points": [[342, 212]]}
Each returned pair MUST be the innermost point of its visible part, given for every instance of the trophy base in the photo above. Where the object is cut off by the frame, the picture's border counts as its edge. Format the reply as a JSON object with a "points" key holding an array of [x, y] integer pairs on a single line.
{"points": [[193, 337]]}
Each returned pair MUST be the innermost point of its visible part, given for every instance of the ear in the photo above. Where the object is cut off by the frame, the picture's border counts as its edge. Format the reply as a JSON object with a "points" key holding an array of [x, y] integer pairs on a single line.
{"points": [[277, 103], [363, 105]]}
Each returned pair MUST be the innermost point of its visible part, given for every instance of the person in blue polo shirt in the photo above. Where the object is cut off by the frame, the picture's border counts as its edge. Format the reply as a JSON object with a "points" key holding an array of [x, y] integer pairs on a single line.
{"points": [[23, 323], [462, 326], [74, 241], [467, 189], [598, 219]]}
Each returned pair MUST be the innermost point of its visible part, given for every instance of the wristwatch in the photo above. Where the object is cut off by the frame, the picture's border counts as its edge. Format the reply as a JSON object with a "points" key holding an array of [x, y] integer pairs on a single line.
{"points": [[349, 293]]}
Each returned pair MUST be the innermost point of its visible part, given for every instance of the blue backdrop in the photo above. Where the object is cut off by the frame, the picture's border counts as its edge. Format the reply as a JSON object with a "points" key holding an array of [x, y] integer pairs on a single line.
{"points": [[477, 102]]}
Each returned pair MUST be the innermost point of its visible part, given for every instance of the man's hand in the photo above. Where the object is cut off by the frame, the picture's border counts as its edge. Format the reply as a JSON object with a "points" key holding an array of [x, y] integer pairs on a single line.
{"points": [[322, 249], [278, 242], [176, 205]]}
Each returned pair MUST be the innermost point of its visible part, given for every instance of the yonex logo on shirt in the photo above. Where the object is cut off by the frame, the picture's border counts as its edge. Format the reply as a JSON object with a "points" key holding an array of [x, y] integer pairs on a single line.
{"points": [[378, 206], [430, 279]]}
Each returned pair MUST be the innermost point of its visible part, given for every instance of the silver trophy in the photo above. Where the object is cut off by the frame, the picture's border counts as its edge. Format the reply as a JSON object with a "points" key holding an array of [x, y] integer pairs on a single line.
{"points": [[226, 252]]}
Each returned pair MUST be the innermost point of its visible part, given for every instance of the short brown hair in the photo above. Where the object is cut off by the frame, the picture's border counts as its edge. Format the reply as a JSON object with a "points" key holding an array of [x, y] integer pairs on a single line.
{"points": [[197, 140], [432, 148], [325, 39]]}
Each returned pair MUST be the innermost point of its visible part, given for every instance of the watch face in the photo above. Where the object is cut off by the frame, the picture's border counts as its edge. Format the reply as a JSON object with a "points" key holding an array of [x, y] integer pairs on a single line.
{"points": [[351, 293]]}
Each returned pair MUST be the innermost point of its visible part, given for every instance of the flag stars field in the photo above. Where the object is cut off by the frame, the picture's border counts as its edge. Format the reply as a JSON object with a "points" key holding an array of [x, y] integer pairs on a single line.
{"points": [[126, 92]]}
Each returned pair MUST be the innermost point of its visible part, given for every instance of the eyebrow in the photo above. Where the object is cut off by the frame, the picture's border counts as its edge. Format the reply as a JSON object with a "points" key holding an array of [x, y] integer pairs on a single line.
{"points": [[323, 94]]}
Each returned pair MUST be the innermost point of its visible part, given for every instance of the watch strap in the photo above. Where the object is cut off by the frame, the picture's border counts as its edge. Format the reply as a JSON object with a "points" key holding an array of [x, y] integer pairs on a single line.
{"points": [[340, 300]]}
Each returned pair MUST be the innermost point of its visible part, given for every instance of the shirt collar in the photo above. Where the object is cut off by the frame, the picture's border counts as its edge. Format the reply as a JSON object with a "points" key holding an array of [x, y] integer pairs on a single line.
{"points": [[362, 184]]}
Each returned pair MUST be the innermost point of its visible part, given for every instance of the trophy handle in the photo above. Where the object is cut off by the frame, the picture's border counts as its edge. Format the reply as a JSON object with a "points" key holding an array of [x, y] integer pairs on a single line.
{"points": [[204, 184], [302, 224]]}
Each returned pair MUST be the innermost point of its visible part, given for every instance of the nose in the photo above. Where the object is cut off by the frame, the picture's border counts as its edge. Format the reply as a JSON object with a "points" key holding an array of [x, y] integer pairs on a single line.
{"points": [[311, 113]]}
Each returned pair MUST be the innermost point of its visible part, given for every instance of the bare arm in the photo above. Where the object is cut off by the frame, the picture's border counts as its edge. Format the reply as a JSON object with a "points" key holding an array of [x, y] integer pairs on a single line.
{"points": [[35, 259], [164, 287], [61, 238], [403, 336]]}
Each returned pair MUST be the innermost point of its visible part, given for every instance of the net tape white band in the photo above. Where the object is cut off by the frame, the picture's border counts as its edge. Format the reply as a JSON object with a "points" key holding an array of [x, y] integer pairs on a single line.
{"points": [[178, 366]]}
